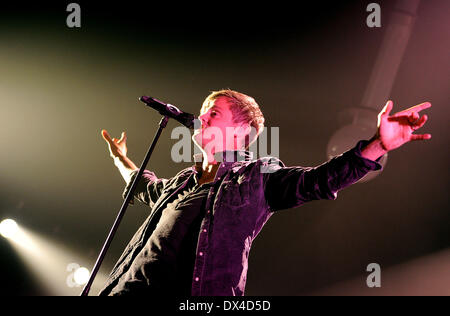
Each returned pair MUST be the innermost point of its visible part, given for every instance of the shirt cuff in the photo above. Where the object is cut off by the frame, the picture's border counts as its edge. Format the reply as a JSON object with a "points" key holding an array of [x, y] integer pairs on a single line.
{"points": [[128, 186], [370, 165]]}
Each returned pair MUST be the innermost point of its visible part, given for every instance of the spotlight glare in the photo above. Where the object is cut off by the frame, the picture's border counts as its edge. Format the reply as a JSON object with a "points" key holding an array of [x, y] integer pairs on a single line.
{"points": [[8, 228], [81, 276]]}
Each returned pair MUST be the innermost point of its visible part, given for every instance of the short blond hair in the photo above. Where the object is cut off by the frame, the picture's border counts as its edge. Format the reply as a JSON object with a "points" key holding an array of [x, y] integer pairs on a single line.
{"points": [[244, 109]]}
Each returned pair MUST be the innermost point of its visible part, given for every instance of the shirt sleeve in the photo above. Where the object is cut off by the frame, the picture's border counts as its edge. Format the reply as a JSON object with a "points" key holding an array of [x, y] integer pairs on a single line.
{"points": [[288, 187], [148, 189]]}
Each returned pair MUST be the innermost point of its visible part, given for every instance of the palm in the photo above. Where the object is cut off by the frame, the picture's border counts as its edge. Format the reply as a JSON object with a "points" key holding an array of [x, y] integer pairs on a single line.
{"points": [[396, 130], [117, 147]]}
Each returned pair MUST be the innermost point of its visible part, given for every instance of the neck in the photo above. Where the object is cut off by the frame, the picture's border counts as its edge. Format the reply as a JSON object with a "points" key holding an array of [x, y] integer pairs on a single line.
{"points": [[209, 161]]}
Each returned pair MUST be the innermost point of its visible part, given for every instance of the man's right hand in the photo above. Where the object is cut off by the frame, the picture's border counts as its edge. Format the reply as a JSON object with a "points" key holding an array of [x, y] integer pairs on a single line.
{"points": [[117, 147], [118, 151]]}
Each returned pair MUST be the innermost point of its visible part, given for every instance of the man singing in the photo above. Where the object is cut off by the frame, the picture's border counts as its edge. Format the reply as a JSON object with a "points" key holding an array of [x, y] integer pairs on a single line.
{"points": [[197, 238]]}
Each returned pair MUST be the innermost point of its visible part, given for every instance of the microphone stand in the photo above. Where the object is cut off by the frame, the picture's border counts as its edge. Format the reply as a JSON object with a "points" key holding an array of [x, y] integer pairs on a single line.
{"points": [[87, 287]]}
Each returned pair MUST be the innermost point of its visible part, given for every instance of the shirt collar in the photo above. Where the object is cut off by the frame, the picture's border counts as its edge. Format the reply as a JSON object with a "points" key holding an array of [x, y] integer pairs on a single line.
{"points": [[227, 157], [230, 156]]}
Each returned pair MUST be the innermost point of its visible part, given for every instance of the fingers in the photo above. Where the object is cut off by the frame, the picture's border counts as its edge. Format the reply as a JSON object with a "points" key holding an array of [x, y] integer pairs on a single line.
{"points": [[110, 140], [413, 109], [421, 137], [106, 136], [413, 117], [419, 123]]}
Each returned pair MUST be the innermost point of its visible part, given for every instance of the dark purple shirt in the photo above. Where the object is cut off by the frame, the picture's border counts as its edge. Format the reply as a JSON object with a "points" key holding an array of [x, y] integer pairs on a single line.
{"points": [[246, 194], [165, 265]]}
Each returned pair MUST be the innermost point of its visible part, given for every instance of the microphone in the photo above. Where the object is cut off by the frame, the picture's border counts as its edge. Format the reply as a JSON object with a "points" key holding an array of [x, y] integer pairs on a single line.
{"points": [[170, 110]]}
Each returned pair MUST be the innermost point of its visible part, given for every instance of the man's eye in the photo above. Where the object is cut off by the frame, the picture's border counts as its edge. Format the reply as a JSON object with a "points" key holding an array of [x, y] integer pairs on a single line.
{"points": [[213, 114]]}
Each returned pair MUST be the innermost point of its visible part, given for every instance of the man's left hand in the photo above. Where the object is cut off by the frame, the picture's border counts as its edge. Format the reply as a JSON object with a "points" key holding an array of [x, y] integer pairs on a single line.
{"points": [[396, 130]]}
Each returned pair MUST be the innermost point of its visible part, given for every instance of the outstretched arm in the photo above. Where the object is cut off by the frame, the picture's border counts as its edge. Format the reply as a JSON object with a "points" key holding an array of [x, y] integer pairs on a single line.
{"points": [[396, 130], [287, 187], [149, 187]]}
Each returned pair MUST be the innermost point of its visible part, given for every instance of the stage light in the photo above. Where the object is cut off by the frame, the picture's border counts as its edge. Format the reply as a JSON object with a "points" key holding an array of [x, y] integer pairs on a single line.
{"points": [[9, 228], [48, 259], [81, 276]]}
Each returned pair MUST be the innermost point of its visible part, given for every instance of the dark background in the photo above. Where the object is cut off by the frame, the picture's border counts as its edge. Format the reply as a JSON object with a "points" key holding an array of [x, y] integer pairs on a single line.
{"points": [[302, 62]]}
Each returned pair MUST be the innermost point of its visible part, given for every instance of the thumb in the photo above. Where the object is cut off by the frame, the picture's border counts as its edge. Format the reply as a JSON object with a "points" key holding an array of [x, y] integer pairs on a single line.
{"points": [[388, 108], [123, 137]]}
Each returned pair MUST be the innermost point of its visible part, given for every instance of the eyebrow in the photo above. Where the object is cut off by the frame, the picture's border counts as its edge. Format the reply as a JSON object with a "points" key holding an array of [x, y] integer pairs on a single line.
{"points": [[214, 108]]}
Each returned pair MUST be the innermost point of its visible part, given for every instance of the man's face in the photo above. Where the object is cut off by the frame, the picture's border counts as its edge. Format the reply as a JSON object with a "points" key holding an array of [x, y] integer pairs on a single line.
{"points": [[217, 126]]}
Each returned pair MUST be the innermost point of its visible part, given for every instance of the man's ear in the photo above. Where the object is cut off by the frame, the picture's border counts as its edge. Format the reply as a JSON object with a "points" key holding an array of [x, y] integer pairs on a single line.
{"points": [[243, 130]]}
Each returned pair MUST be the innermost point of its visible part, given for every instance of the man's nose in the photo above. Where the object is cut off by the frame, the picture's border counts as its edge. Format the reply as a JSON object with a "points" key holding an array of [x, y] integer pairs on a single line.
{"points": [[204, 119]]}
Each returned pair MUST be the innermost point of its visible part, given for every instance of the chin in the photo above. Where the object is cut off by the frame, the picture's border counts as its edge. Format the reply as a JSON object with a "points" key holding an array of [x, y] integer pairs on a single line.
{"points": [[206, 144], [199, 140]]}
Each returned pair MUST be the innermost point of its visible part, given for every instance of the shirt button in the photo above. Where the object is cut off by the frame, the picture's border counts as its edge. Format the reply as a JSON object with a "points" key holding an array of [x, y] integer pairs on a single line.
{"points": [[204, 230], [208, 211], [196, 279], [200, 253]]}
